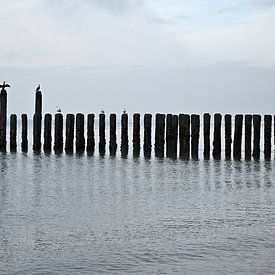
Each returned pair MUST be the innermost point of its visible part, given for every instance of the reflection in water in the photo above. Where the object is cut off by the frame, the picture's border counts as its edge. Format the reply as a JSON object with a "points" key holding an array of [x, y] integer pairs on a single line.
{"points": [[76, 213]]}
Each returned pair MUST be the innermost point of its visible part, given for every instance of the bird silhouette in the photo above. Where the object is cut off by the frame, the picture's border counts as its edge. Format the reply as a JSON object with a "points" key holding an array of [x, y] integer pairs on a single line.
{"points": [[38, 88], [102, 111], [4, 85], [124, 111]]}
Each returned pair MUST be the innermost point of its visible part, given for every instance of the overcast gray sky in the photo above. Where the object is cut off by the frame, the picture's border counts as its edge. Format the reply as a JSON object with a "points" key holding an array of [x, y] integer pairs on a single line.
{"points": [[180, 56]]}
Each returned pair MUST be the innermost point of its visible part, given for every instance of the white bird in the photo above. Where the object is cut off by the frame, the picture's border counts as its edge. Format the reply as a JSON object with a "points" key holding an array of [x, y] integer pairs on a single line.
{"points": [[58, 110], [38, 88]]}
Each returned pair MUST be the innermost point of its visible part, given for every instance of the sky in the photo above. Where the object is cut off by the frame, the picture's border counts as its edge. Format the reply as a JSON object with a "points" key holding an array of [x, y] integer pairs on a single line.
{"points": [[170, 56]]}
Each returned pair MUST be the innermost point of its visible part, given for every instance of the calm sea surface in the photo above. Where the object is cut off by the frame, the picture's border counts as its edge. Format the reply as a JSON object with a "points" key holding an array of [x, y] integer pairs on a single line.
{"points": [[63, 214]]}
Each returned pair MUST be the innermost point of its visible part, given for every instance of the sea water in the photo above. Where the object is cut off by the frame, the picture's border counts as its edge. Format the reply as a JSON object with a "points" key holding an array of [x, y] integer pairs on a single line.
{"points": [[79, 214]]}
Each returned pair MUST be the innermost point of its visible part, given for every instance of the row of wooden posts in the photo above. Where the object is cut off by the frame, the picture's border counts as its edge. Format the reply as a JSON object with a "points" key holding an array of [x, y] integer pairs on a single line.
{"points": [[170, 130]]}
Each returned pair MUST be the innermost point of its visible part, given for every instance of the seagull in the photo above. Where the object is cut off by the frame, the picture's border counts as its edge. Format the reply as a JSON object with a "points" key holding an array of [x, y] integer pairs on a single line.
{"points": [[4, 85], [124, 111], [38, 88], [102, 111], [58, 110]]}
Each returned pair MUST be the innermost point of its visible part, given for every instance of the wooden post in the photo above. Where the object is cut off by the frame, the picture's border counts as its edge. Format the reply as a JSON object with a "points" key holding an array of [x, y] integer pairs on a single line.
{"points": [[124, 135], [174, 136], [102, 139], [58, 133], [90, 134], [159, 135], [206, 135], [248, 131], [267, 136], [184, 136], [256, 136], [69, 143], [217, 136], [47, 133], [237, 146], [169, 119], [3, 120], [147, 135], [13, 133], [37, 119], [24, 136], [195, 134], [228, 135], [136, 135], [79, 134], [112, 142]]}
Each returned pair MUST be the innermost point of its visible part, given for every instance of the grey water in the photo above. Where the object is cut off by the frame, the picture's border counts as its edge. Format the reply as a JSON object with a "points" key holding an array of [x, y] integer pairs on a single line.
{"points": [[70, 214]]}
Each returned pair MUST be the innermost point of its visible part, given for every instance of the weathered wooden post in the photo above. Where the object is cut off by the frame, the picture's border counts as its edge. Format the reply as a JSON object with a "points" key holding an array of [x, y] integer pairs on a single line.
{"points": [[58, 133], [267, 136], [237, 146], [206, 135], [169, 119], [124, 135], [195, 134], [112, 142], [102, 139], [79, 133], [174, 136], [47, 133], [37, 119], [217, 136], [136, 135], [3, 120], [248, 132], [90, 134], [159, 135], [13, 133], [24, 136], [256, 136], [69, 143], [228, 135], [184, 136], [147, 135]]}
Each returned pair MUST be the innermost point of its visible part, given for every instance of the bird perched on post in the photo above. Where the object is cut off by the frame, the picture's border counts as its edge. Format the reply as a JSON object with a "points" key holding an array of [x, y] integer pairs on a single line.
{"points": [[102, 111], [4, 85], [58, 110], [38, 88], [124, 111]]}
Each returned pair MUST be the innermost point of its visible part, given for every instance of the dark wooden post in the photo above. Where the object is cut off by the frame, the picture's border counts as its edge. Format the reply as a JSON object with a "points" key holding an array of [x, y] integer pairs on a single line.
{"points": [[174, 136], [102, 139], [47, 133], [124, 135], [206, 135], [90, 134], [136, 135], [256, 136], [267, 136], [79, 134], [217, 136], [58, 133], [3, 121], [169, 119], [13, 133], [184, 136], [69, 143], [228, 135], [24, 136], [248, 132], [112, 142], [237, 146], [195, 134], [37, 119], [147, 135], [159, 135]]}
